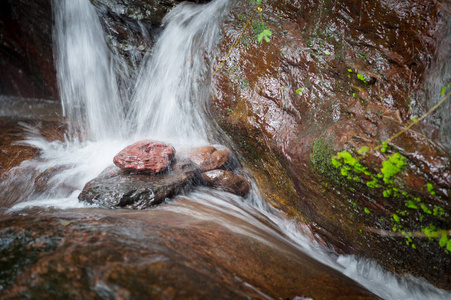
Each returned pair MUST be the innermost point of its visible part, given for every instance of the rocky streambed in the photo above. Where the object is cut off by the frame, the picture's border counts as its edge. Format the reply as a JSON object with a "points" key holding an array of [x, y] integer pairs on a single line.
{"points": [[335, 76]]}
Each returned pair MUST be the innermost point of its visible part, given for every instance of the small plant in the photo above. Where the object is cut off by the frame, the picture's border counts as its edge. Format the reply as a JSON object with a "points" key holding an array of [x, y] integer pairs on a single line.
{"points": [[265, 34], [362, 78]]}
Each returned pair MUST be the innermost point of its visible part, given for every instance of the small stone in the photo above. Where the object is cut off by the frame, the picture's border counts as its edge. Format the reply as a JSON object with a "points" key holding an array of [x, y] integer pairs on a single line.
{"points": [[228, 181], [208, 158], [145, 156]]}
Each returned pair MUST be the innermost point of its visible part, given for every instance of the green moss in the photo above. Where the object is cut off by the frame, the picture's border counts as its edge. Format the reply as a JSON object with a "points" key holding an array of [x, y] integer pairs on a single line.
{"points": [[323, 163]]}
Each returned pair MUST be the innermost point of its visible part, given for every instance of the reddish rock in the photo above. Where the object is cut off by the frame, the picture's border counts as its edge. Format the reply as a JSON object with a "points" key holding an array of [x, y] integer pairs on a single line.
{"points": [[208, 158], [157, 254], [228, 181], [145, 156]]}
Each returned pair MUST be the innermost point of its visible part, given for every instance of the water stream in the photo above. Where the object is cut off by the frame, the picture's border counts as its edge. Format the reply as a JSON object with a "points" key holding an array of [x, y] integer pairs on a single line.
{"points": [[167, 104]]}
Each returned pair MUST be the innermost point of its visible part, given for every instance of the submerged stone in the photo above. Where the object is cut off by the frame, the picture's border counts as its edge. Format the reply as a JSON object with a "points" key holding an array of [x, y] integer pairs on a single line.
{"points": [[145, 156], [115, 187], [227, 181], [208, 158]]}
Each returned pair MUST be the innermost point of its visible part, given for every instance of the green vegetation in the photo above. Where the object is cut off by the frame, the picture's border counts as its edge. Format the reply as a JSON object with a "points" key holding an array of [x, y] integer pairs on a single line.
{"points": [[426, 216]]}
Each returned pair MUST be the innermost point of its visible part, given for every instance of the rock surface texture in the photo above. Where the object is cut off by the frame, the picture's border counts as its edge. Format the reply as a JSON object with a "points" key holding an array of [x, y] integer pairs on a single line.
{"points": [[227, 181], [118, 188], [145, 157], [337, 76], [208, 158], [156, 254], [140, 182], [26, 56]]}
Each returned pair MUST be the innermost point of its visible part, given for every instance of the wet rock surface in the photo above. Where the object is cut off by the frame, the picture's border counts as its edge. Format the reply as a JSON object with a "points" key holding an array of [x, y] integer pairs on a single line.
{"points": [[340, 76], [227, 181], [145, 156], [26, 56], [208, 158], [115, 187], [15, 182], [135, 188], [155, 254]]}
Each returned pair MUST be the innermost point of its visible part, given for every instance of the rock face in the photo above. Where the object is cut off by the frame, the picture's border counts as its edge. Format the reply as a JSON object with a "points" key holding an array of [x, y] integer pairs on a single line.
{"points": [[208, 158], [341, 75], [227, 181], [118, 188], [26, 56], [145, 156], [156, 254]]}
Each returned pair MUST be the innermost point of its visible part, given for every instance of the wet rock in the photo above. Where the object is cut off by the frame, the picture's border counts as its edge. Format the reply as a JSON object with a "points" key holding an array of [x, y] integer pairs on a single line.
{"points": [[227, 181], [26, 56], [327, 83], [115, 187], [145, 156], [157, 254], [209, 158]]}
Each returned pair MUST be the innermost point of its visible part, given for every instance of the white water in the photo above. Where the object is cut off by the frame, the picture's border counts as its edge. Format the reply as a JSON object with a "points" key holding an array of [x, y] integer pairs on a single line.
{"points": [[168, 105]]}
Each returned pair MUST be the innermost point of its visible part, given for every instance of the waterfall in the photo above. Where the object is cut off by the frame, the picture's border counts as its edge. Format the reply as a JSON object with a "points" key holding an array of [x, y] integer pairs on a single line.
{"points": [[86, 80], [171, 89], [167, 104], [174, 84]]}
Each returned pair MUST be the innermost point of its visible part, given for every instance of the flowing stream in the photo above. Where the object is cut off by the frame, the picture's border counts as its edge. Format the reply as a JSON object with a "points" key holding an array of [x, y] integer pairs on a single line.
{"points": [[168, 104]]}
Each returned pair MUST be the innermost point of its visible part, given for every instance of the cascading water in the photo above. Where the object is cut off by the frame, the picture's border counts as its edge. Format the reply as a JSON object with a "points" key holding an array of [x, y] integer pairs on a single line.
{"points": [[167, 104], [173, 85], [87, 83]]}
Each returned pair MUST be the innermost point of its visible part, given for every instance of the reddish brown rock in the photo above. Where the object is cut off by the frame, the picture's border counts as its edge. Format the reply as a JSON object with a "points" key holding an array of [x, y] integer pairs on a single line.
{"points": [[228, 181], [157, 254], [145, 156], [293, 103], [208, 158]]}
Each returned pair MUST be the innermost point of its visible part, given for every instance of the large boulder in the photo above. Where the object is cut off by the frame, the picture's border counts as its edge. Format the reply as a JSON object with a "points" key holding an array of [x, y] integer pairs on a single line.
{"points": [[335, 76], [145, 156], [115, 187]]}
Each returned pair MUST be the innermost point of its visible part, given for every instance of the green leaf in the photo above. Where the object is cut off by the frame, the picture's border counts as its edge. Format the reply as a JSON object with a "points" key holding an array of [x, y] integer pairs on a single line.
{"points": [[350, 70], [367, 211], [443, 240], [265, 34], [443, 91], [299, 91], [362, 78], [431, 189], [396, 218], [411, 204]]}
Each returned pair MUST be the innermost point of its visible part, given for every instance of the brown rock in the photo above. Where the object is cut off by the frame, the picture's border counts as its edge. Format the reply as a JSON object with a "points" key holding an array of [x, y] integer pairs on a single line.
{"points": [[157, 254], [145, 156], [208, 158], [228, 181]]}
